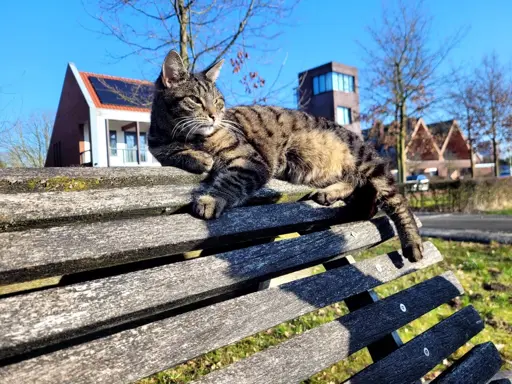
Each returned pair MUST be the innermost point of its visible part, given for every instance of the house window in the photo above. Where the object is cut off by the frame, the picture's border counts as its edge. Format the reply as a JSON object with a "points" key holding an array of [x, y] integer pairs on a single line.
{"points": [[321, 84], [333, 81], [315, 85], [113, 143], [343, 116]]}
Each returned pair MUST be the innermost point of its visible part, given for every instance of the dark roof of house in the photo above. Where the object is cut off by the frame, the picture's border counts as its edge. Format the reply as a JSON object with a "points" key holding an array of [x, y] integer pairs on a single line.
{"points": [[112, 92], [440, 131]]}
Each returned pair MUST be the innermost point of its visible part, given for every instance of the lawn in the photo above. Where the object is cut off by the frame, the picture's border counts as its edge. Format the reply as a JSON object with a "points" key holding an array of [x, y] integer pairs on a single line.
{"points": [[501, 212], [485, 272]]}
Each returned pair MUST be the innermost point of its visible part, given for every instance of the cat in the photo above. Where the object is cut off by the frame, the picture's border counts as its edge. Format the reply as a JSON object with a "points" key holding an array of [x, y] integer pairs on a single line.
{"points": [[243, 147]]}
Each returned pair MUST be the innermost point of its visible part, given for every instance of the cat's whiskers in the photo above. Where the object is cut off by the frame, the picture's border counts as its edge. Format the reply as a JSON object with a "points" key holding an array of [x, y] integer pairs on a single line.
{"points": [[177, 126], [192, 131], [184, 124], [181, 122], [197, 123], [231, 126]]}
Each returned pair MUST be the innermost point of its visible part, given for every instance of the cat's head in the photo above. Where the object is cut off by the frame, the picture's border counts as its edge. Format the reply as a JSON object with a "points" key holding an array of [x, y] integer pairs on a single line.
{"points": [[191, 99]]}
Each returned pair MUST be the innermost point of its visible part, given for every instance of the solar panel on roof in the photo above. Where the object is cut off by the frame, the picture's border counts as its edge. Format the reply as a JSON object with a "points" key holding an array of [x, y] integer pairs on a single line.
{"points": [[122, 93]]}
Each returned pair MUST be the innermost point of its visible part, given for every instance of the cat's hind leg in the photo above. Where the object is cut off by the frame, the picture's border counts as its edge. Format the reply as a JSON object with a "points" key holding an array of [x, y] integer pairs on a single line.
{"points": [[396, 207]]}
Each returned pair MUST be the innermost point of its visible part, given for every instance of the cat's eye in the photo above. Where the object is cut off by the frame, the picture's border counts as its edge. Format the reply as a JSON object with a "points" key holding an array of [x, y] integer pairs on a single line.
{"points": [[219, 103], [195, 100]]}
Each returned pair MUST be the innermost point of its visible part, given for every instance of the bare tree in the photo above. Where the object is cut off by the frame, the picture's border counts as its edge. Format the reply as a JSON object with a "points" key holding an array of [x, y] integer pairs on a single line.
{"points": [[25, 143], [495, 88], [203, 31], [402, 70], [464, 103]]}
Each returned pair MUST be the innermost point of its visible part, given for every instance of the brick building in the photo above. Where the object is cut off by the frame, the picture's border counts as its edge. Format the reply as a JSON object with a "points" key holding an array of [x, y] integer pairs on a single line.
{"points": [[438, 148], [102, 121]]}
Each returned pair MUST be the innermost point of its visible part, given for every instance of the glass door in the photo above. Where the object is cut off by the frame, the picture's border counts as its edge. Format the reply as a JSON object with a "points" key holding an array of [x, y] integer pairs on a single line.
{"points": [[131, 147], [130, 156], [143, 155]]}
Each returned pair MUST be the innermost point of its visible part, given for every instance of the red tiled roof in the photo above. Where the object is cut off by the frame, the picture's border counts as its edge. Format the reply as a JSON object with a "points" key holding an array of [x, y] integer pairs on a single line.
{"points": [[96, 100]]}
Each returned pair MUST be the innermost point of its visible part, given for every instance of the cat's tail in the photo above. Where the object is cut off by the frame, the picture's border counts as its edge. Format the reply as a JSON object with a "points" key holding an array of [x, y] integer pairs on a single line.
{"points": [[395, 206]]}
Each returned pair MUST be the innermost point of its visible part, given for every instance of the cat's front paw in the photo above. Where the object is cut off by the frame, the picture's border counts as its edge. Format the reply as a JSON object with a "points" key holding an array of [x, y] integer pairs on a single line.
{"points": [[199, 164], [208, 207], [206, 163], [413, 251]]}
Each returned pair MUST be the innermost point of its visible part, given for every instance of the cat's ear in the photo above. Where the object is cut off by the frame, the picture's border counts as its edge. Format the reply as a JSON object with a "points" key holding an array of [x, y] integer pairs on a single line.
{"points": [[173, 69], [213, 72]]}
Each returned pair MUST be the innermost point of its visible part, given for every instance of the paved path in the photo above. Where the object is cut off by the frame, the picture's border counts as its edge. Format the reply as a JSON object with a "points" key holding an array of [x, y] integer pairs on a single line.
{"points": [[479, 228]]}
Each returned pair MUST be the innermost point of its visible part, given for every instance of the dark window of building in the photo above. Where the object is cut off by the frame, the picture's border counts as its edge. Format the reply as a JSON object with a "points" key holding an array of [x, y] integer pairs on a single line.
{"points": [[343, 116], [333, 81], [113, 143]]}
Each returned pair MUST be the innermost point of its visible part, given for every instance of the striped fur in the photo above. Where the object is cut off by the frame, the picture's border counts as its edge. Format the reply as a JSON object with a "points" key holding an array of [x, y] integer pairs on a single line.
{"points": [[241, 148]]}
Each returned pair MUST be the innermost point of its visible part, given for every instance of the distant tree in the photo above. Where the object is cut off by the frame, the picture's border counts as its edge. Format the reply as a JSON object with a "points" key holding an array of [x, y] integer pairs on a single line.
{"points": [[495, 89], [402, 69], [203, 31], [25, 142], [464, 103]]}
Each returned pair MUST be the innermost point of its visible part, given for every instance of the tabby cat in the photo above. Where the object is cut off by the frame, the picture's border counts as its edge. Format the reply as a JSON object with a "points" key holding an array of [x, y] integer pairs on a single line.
{"points": [[241, 148]]}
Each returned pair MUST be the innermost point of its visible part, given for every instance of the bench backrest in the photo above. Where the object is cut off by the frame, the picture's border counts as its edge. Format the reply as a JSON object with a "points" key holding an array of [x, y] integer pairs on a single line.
{"points": [[132, 284]]}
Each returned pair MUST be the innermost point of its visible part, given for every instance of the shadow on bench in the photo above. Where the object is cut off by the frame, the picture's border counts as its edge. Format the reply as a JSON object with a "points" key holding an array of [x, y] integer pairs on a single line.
{"points": [[136, 298]]}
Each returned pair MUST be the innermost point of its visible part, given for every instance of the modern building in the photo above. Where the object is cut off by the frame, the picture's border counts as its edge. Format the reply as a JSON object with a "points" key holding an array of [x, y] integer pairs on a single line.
{"points": [[331, 91], [101, 121]]}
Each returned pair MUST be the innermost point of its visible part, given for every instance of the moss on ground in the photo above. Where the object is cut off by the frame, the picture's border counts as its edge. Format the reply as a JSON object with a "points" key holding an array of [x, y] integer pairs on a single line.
{"points": [[62, 183], [501, 212]]}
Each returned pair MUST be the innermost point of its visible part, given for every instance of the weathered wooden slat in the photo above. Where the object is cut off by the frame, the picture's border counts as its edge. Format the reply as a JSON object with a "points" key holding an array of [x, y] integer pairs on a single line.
{"points": [[26, 180], [36, 209], [302, 356], [43, 252], [19, 180], [478, 366], [417, 357], [26, 209], [502, 377], [131, 354], [15, 180], [51, 315], [386, 344]]}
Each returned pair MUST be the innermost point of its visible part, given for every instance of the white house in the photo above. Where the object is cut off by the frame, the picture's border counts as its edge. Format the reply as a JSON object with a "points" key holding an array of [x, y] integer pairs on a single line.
{"points": [[101, 121]]}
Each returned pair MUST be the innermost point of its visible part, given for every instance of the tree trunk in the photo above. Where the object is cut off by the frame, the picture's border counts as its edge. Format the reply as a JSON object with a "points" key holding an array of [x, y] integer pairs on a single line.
{"points": [[471, 152], [401, 155], [183, 20], [495, 152]]}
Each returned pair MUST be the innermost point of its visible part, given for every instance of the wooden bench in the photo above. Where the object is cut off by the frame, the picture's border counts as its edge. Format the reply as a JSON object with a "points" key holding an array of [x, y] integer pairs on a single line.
{"points": [[136, 298]]}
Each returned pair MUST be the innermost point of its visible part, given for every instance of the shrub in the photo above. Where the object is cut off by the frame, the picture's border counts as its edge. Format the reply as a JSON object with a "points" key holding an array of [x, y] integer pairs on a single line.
{"points": [[464, 196]]}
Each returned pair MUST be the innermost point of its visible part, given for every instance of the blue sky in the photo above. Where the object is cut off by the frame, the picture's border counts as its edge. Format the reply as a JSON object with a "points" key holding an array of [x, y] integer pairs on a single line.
{"points": [[39, 38]]}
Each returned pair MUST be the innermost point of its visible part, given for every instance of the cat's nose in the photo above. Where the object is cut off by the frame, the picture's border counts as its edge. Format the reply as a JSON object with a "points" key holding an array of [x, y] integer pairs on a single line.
{"points": [[211, 115]]}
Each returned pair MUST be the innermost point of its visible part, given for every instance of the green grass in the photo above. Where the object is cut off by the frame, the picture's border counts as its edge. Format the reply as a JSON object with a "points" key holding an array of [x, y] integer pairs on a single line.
{"points": [[501, 212], [474, 265]]}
